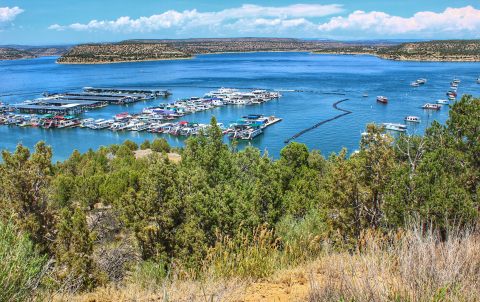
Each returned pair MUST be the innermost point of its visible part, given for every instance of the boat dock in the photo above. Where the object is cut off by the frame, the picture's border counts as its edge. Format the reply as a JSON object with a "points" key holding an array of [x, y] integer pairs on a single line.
{"points": [[152, 92]]}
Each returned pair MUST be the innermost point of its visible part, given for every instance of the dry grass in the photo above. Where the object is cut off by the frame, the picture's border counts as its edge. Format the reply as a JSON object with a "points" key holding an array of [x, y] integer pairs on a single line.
{"points": [[415, 267], [412, 266]]}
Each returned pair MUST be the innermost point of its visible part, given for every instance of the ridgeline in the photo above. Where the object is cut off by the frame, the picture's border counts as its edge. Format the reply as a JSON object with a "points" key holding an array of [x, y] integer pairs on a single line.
{"points": [[147, 50]]}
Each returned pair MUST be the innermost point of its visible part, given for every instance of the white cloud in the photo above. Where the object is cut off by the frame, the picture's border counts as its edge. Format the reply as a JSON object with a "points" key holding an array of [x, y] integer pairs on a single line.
{"points": [[8, 14], [295, 20], [291, 15], [453, 20]]}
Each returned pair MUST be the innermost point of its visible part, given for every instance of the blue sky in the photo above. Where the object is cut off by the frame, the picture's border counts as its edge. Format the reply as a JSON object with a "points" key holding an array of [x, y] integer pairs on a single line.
{"points": [[63, 22]]}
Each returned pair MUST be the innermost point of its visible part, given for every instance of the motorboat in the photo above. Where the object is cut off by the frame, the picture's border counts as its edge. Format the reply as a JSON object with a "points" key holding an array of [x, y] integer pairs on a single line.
{"points": [[382, 99], [431, 106], [412, 119]]}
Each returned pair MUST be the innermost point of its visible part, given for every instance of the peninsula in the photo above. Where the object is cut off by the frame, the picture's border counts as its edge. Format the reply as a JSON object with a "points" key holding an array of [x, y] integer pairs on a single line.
{"points": [[146, 50], [121, 52]]}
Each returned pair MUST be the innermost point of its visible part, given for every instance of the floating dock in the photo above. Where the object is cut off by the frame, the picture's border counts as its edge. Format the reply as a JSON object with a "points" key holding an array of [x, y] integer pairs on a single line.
{"points": [[153, 92]]}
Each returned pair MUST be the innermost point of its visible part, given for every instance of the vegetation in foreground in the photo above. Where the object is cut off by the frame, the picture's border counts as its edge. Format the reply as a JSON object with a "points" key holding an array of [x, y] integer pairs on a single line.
{"points": [[105, 219]]}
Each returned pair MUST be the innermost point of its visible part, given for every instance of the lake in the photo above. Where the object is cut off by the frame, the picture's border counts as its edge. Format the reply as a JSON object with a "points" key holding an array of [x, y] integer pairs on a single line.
{"points": [[318, 81]]}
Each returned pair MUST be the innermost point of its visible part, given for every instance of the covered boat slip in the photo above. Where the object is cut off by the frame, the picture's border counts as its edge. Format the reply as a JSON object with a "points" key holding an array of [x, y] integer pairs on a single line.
{"points": [[110, 99], [57, 106], [153, 92], [44, 109]]}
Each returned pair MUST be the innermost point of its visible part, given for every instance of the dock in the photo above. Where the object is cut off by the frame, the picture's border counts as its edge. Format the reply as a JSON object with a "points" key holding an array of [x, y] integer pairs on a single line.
{"points": [[153, 92]]}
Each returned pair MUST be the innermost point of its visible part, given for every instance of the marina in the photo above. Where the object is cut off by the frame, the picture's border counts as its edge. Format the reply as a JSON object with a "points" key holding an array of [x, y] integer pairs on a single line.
{"points": [[303, 104], [62, 110]]}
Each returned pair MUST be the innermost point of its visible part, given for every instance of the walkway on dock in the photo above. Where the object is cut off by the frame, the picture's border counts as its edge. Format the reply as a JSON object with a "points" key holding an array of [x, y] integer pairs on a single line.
{"points": [[335, 105]]}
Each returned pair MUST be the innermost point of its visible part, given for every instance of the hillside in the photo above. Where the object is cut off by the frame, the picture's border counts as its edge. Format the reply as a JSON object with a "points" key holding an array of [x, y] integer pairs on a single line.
{"points": [[7, 53], [141, 50], [122, 52], [452, 51], [27, 52], [198, 223]]}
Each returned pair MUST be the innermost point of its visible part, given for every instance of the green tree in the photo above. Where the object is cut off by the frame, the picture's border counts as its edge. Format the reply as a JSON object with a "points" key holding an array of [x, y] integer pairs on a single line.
{"points": [[160, 145], [73, 251], [24, 184]]}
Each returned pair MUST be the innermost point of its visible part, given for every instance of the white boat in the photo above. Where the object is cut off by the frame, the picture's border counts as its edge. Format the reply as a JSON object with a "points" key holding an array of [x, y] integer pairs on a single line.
{"points": [[442, 102], [432, 106], [117, 126], [478, 80], [456, 81], [415, 84], [421, 81], [86, 122], [395, 127], [248, 134], [412, 119], [139, 126]]}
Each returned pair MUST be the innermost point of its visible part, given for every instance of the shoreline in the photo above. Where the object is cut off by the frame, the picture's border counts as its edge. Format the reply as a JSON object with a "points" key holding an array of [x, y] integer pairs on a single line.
{"points": [[380, 56], [383, 57], [118, 62]]}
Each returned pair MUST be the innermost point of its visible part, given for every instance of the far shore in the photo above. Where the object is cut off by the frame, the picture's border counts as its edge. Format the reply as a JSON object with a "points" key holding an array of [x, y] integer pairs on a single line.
{"points": [[127, 61]]}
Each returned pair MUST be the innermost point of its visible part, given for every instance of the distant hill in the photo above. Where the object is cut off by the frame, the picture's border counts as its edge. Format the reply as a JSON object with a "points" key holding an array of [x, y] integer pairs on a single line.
{"points": [[145, 50], [165, 49], [446, 50], [121, 52], [29, 52]]}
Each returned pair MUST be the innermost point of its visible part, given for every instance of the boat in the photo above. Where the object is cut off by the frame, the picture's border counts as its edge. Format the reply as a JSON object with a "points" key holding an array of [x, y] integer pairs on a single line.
{"points": [[415, 84], [412, 119], [478, 80], [382, 99], [421, 81], [365, 95], [248, 133], [431, 106], [456, 81], [442, 102], [140, 126], [395, 127]]}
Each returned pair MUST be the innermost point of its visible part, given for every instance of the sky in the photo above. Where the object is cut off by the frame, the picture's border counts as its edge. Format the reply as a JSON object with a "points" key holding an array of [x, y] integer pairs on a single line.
{"points": [[49, 22]]}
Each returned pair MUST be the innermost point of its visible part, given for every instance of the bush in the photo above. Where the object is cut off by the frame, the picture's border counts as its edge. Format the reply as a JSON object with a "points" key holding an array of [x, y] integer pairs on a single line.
{"points": [[131, 145], [20, 265], [160, 145], [145, 145]]}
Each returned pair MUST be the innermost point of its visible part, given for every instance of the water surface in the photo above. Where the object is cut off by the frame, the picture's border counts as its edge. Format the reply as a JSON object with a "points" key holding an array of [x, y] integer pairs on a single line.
{"points": [[319, 81]]}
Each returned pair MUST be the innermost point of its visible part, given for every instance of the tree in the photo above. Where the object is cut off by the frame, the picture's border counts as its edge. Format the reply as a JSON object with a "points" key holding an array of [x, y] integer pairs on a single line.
{"points": [[24, 184], [145, 145], [73, 251], [160, 145], [130, 145]]}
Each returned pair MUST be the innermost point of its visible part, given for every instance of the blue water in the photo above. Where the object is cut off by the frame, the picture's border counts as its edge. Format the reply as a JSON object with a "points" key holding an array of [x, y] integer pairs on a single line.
{"points": [[324, 79]]}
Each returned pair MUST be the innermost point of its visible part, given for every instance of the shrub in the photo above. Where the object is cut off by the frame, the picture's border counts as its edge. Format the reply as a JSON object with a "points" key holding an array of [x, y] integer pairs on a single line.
{"points": [[131, 145], [160, 145], [20, 265], [145, 145]]}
